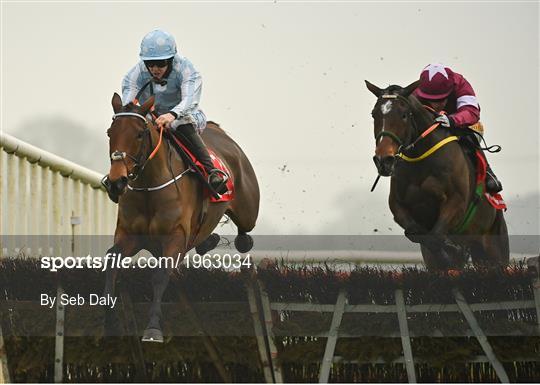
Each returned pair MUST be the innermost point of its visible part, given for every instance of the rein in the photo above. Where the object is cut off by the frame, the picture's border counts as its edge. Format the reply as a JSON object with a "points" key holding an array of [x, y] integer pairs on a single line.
{"points": [[133, 175], [429, 152], [169, 182]]}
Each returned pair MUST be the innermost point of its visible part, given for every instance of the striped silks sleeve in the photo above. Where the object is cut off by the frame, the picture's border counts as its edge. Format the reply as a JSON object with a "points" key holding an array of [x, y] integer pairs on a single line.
{"points": [[131, 84], [191, 88]]}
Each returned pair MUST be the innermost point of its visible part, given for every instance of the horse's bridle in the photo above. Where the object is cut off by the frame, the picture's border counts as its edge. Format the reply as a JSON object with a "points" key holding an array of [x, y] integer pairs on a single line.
{"points": [[402, 147], [139, 162]]}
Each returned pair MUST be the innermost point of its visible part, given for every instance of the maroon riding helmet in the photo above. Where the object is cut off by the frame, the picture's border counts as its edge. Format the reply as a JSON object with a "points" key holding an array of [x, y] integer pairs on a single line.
{"points": [[436, 82]]}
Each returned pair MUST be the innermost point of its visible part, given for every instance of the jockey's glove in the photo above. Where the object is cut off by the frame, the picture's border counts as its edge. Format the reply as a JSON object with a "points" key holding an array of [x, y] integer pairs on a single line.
{"points": [[445, 121]]}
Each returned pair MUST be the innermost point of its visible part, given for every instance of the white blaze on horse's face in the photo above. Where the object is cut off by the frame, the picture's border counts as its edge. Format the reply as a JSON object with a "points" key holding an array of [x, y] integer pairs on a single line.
{"points": [[386, 107]]}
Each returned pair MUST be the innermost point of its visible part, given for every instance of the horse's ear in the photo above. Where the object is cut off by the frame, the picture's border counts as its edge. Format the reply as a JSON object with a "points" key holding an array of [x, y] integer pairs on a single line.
{"points": [[410, 88], [147, 105], [116, 103], [374, 89]]}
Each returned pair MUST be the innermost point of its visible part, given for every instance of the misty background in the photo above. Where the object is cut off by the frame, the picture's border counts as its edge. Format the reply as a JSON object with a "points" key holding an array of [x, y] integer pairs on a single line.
{"points": [[286, 81]]}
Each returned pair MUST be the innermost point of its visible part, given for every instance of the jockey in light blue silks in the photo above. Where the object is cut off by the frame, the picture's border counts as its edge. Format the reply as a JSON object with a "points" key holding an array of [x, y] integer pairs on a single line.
{"points": [[177, 86]]}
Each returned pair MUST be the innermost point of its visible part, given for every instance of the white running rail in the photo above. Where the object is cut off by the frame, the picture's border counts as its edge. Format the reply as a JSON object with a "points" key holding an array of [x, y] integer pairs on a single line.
{"points": [[44, 194]]}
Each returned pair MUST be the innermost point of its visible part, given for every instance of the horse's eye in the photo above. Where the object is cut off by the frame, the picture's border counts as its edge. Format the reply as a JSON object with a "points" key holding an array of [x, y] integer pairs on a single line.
{"points": [[404, 116], [139, 135], [109, 132]]}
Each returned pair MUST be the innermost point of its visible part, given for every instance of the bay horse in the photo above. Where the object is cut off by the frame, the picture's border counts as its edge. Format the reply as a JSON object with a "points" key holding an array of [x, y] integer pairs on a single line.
{"points": [[161, 207], [433, 184]]}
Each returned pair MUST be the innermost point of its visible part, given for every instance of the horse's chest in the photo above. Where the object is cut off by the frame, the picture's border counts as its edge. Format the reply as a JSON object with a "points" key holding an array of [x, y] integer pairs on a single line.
{"points": [[134, 221], [151, 220], [419, 192]]}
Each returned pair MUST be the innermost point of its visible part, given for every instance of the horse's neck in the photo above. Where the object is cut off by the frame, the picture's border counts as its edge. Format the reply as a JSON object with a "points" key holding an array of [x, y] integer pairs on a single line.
{"points": [[424, 120], [158, 169], [422, 116]]}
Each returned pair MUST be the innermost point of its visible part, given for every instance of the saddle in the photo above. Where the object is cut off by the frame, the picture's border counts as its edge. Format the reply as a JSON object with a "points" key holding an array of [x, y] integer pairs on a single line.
{"points": [[198, 169]]}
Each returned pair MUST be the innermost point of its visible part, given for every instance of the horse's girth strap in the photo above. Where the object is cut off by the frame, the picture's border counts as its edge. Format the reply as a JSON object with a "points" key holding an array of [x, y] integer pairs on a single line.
{"points": [[429, 152], [471, 210]]}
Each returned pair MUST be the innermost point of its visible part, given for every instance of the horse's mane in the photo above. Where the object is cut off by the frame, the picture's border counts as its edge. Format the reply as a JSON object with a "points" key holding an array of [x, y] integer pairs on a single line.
{"points": [[423, 117], [394, 89], [130, 107]]}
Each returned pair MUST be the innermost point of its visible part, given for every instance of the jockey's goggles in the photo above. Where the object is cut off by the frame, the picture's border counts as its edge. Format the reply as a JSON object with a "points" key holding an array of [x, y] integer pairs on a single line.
{"points": [[158, 63]]}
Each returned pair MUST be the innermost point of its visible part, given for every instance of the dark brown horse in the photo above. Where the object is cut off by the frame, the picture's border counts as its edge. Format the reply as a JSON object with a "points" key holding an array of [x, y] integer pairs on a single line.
{"points": [[174, 216], [429, 197]]}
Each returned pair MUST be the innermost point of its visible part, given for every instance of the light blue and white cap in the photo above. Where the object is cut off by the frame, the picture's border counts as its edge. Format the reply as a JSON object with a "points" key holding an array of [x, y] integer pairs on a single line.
{"points": [[157, 45]]}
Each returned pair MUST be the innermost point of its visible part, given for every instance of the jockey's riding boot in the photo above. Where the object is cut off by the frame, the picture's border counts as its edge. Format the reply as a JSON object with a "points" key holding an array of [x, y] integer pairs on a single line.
{"points": [[216, 178], [493, 185]]}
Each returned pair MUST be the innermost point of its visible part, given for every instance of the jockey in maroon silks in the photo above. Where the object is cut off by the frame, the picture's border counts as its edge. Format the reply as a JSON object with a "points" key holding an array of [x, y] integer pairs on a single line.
{"points": [[445, 90]]}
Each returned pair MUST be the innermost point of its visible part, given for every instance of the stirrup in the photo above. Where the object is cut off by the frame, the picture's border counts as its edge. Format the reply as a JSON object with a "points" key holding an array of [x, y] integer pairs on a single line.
{"points": [[222, 187], [216, 171], [493, 186]]}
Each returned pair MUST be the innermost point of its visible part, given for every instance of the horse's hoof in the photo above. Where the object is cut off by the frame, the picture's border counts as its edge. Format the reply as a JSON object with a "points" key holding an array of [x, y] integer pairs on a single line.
{"points": [[416, 233], [208, 244], [243, 243], [152, 335]]}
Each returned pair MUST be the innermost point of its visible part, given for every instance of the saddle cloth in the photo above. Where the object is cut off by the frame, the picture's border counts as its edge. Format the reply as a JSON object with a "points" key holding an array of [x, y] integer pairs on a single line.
{"points": [[218, 163]]}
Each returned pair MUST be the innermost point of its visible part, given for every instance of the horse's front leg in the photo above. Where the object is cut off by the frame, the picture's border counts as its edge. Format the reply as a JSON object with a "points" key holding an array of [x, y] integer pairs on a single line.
{"points": [[160, 280], [172, 248], [438, 239], [402, 216], [124, 246]]}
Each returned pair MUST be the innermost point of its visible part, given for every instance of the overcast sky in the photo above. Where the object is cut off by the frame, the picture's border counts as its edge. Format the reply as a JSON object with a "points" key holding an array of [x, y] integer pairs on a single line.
{"points": [[286, 80]]}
